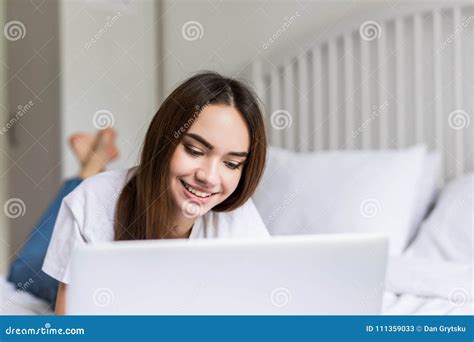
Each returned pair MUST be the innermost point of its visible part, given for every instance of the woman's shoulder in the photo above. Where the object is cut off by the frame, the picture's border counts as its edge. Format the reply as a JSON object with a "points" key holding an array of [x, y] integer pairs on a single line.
{"points": [[103, 185], [93, 202], [110, 179]]}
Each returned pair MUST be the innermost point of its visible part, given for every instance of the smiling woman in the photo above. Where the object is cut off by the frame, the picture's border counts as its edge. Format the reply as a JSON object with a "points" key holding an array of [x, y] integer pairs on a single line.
{"points": [[216, 164], [195, 184]]}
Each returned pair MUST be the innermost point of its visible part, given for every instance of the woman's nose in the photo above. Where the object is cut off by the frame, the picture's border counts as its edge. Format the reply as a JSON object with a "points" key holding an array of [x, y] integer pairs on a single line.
{"points": [[208, 176]]}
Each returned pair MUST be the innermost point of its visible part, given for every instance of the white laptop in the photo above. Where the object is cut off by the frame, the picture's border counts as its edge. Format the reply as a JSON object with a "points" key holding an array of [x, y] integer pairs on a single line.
{"points": [[284, 275]]}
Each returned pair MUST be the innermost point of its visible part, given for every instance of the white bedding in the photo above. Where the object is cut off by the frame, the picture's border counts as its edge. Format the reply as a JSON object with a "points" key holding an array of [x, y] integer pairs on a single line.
{"points": [[435, 276], [16, 302], [408, 304], [424, 287]]}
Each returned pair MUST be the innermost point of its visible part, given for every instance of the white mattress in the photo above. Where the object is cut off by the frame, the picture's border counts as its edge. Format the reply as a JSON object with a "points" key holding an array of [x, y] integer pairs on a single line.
{"points": [[17, 302], [428, 287]]}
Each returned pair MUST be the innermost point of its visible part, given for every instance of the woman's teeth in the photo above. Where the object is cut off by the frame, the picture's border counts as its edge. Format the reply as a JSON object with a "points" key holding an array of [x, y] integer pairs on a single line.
{"points": [[196, 192]]}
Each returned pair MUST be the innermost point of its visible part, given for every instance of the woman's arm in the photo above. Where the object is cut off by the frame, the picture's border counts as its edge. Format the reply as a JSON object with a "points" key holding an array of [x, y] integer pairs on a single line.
{"points": [[61, 300]]}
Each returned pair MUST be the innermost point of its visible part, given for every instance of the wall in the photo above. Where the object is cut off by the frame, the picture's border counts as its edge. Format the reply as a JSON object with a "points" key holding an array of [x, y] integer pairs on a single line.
{"points": [[233, 33], [33, 152], [109, 58], [4, 228]]}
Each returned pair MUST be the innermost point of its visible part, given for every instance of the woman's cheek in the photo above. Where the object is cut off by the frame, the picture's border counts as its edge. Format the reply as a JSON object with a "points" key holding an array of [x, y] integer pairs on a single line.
{"points": [[186, 162], [232, 181]]}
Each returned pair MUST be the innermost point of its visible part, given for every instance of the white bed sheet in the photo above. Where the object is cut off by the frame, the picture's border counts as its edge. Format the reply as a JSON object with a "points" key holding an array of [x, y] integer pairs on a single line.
{"points": [[408, 304], [17, 302], [424, 287]]}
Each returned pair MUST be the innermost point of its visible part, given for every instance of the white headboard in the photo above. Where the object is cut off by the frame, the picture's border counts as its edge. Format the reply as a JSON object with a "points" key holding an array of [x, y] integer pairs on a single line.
{"points": [[388, 80]]}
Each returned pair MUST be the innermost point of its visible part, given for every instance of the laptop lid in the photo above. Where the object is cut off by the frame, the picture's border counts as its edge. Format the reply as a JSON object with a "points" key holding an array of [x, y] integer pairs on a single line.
{"points": [[282, 275]]}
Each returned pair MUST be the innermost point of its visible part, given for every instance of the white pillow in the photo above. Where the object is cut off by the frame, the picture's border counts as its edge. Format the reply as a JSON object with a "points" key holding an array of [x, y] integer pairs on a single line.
{"points": [[341, 192], [447, 233], [427, 190]]}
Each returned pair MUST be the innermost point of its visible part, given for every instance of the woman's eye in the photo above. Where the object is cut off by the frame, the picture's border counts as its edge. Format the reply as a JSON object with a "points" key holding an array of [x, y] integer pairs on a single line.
{"points": [[233, 166], [192, 151], [196, 153]]}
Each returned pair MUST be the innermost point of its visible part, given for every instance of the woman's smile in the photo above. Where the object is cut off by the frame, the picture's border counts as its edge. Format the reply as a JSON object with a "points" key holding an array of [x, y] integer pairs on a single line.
{"points": [[194, 194]]}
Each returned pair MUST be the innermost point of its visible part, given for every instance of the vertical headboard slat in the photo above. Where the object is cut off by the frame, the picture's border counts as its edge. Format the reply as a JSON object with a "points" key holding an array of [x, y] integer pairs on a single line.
{"points": [[318, 137], [400, 83], [438, 88], [333, 118], [382, 90], [419, 91], [365, 100], [303, 103], [349, 92], [289, 100], [458, 91]]}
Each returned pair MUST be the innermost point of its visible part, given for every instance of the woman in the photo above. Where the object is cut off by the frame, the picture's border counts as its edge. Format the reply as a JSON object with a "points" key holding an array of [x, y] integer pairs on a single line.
{"points": [[202, 159]]}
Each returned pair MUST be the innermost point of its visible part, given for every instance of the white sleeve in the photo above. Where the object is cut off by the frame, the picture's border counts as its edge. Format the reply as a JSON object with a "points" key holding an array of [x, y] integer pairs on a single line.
{"points": [[66, 236]]}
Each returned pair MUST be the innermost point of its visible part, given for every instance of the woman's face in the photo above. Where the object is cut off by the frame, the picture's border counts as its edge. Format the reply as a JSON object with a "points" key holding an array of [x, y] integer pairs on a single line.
{"points": [[207, 164]]}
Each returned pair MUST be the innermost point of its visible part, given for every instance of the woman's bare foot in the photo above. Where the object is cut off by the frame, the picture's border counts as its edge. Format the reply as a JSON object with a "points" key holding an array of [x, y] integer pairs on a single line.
{"points": [[81, 144], [101, 151]]}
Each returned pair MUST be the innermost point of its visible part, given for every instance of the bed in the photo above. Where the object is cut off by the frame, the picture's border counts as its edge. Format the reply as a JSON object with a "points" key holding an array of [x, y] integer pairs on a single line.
{"points": [[431, 275], [18, 302], [393, 80], [423, 287]]}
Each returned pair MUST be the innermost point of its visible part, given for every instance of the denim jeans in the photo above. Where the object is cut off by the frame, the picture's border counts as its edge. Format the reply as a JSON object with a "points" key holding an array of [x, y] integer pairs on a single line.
{"points": [[25, 271]]}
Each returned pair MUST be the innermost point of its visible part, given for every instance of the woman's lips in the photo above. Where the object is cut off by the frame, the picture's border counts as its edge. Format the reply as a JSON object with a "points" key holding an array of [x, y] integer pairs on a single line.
{"points": [[193, 197]]}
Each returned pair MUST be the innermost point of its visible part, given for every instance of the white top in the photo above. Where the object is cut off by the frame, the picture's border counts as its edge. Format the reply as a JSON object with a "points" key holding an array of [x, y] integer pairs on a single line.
{"points": [[87, 215]]}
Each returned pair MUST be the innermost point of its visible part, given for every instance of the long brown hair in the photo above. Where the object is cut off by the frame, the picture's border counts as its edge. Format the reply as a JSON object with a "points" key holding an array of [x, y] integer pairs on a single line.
{"points": [[145, 207]]}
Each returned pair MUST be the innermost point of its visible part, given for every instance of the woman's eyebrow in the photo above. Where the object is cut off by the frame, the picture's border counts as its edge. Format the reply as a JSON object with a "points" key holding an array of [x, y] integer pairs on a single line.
{"points": [[210, 147]]}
